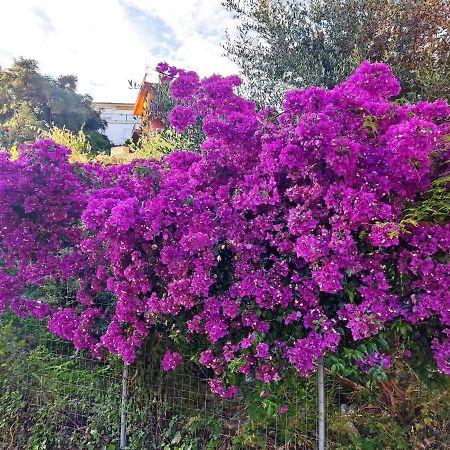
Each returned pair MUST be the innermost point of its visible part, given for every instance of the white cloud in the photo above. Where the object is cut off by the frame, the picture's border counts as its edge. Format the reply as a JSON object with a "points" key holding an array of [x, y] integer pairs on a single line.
{"points": [[107, 42]]}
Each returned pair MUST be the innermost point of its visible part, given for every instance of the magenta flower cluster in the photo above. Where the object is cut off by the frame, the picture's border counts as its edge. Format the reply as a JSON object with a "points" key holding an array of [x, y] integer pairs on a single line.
{"points": [[281, 239], [381, 360], [171, 360]]}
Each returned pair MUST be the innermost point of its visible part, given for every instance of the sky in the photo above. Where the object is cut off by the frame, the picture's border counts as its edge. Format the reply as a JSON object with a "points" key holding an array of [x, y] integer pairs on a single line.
{"points": [[105, 43]]}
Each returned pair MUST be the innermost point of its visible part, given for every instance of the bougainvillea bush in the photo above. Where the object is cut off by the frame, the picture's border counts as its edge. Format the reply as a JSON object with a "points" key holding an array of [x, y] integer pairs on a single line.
{"points": [[282, 240]]}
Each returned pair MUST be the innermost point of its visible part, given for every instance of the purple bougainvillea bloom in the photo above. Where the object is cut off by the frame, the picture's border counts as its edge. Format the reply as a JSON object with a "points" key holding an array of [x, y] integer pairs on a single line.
{"points": [[181, 117], [171, 360], [375, 359], [262, 351], [280, 240]]}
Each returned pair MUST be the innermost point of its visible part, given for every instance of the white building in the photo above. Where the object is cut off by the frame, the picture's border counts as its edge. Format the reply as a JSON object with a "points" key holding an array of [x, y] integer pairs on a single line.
{"points": [[119, 118]]}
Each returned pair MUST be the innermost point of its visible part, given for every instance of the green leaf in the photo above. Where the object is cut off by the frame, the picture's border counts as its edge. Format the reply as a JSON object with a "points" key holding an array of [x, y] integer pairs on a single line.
{"points": [[177, 438]]}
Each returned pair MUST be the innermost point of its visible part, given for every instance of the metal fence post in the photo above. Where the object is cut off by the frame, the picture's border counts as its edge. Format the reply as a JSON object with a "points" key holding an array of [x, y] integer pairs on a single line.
{"points": [[321, 403], [123, 407]]}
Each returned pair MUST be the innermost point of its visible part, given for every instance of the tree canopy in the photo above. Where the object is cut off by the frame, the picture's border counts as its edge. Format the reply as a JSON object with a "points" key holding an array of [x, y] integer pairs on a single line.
{"points": [[30, 100], [285, 44]]}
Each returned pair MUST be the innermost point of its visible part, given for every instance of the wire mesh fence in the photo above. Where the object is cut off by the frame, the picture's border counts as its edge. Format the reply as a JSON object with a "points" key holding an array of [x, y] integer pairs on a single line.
{"points": [[178, 410], [61, 398], [52, 397]]}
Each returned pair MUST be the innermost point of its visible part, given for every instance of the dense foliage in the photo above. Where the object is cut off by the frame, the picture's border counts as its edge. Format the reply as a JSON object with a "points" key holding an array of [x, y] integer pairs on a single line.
{"points": [[282, 241], [84, 146], [285, 44], [31, 101]]}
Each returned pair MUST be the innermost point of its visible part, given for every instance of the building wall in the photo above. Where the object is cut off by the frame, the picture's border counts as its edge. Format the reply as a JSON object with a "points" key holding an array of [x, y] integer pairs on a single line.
{"points": [[119, 118]]}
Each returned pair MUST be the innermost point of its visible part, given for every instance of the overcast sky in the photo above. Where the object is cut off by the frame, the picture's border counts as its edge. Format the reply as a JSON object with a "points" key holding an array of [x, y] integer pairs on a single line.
{"points": [[107, 42]]}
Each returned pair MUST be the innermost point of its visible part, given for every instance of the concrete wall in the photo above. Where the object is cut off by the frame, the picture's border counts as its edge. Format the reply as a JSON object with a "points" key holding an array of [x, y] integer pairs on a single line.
{"points": [[120, 120]]}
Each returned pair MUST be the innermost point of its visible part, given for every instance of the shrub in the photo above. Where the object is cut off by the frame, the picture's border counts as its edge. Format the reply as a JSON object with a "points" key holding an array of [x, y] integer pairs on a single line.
{"points": [[283, 240]]}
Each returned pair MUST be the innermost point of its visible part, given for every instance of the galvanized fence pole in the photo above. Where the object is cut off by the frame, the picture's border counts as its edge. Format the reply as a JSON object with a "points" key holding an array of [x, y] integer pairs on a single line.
{"points": [[123, 408], [321, 404]]}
